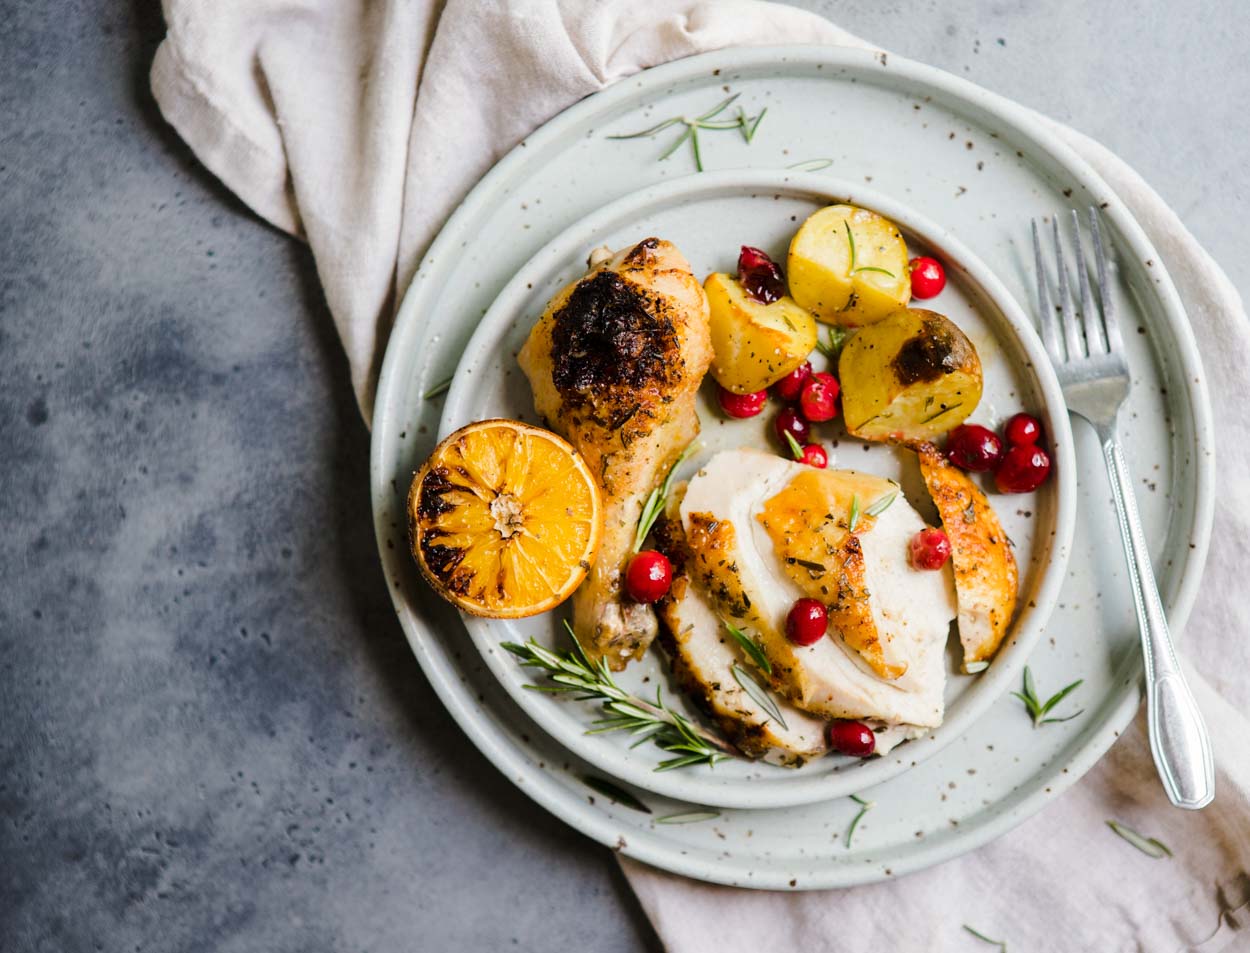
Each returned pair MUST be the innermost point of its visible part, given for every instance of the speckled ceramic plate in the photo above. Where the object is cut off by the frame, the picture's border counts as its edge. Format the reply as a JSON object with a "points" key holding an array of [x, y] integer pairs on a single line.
{"points": [[707, 216], [959, 156]]}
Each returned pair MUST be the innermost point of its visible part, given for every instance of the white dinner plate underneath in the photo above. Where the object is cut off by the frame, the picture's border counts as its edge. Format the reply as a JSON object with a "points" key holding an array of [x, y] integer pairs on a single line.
{"points": [[964, 158]]}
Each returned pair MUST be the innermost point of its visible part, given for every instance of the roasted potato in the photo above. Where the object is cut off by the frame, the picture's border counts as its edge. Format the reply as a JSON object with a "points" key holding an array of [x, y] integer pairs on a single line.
{"points": [[910, 377], [848, 266], [986, 578], [754, 344]]}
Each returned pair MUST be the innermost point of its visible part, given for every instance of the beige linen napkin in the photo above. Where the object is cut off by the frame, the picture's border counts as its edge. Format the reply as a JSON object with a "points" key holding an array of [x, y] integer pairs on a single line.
{"points": [[360, 125]]}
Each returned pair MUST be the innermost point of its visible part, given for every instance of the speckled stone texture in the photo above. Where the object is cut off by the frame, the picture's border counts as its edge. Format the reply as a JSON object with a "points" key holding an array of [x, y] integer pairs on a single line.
{"points": [[213, 736]]}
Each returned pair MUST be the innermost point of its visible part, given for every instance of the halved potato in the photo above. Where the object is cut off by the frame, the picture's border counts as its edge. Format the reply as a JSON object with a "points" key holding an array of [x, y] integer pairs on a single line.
{"points": [[848, 266], [909, 377], [985, 569], [754, 344]]}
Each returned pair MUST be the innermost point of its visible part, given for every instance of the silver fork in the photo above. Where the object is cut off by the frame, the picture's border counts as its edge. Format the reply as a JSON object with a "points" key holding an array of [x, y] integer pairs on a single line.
{"points": [[1088, 353]]}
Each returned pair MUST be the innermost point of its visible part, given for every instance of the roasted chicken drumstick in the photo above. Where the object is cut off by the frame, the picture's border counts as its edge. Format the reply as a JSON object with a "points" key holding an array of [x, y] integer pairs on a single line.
{"points": [[615, 363]]}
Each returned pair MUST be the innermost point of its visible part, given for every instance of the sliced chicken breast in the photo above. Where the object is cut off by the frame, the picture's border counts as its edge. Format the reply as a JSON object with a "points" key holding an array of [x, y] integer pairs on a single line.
{"points": [[763, 531], [703, 656]]}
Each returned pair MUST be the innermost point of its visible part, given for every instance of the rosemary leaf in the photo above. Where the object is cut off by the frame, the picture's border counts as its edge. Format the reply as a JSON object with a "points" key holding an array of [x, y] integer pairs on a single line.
{"points": [[865, 807], [832, 348], [850, 241], [689, 817], [758, 694], [719, 108], [881, 271], [658, 127], [795, 450], [612, 792], [438, 390], [1149, 846], [752, 648], [811, 165], [657, 500], [1056, 721], [853, 520], [1059, 696], [881, 505], [1001, 944], [689, 133], [748, 132], [694, 145]]}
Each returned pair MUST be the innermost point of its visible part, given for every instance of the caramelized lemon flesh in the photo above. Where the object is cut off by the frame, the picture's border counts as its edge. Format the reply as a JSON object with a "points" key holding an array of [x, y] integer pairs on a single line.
{"points": [[505, 519]]}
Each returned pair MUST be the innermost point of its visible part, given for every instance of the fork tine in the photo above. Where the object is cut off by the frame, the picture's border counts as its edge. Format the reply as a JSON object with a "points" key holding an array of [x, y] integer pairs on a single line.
{"points": [[1111, 324], [1050, 324], [1089, 317], [1071, 336]]}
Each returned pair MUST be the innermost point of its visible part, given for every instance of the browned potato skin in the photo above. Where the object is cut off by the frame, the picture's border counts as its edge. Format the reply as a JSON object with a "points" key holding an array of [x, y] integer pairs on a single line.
{"points": [[986, 578], [910, 377]]}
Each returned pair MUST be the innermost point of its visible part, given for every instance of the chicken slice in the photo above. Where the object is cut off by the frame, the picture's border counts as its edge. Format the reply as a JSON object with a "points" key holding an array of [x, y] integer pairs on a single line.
{"points": [[737, 565], [703, 655], [986, 578], [615, 363]]}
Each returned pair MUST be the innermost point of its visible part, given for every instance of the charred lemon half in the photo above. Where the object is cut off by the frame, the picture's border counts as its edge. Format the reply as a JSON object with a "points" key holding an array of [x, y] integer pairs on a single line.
{"points": [[505, 519]]}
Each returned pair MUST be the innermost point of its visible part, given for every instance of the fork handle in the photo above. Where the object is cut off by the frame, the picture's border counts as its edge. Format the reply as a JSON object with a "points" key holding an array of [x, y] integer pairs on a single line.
{"points": [[1178, 736]]}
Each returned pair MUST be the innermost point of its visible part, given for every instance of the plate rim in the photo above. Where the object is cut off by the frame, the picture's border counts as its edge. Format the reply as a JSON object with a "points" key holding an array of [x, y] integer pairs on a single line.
{"points": [[543, 786], [1032, 616]]}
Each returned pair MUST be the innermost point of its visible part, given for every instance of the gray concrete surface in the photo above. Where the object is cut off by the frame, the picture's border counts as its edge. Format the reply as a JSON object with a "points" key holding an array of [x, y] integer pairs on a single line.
{"points": [[212, 734]]}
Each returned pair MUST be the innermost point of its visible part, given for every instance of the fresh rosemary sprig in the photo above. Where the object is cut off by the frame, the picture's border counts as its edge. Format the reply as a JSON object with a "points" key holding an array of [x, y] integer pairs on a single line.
{"points": [[657, 499], [1001, 944], [689, 817], [1149, 846], [850, 238], [747, 125], [1037, 708], [573, 673], [865, 807], [853, 520], [837, 337], [612, 792], [811, 165], [438, 390], [753, 649], [757, 693]]}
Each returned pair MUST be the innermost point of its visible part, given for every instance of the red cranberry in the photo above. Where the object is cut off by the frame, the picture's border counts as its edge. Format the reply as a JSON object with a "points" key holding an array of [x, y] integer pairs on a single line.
{"points": [[790, 386], [742, 405], [807, 621], [760, 276], [648, 577], [814, 456], [928, 277], [973, 447], [930, 549], [1022, 430], [1023, 470], [791, 422], [819, 399], [852, 737]]}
